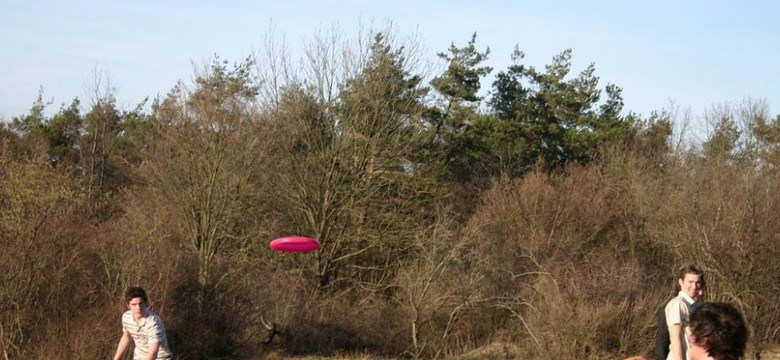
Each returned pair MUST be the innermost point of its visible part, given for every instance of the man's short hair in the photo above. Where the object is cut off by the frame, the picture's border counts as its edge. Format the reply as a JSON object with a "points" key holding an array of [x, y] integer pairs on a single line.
{"points": [[690, 269], [720, 329], [135, 292]]}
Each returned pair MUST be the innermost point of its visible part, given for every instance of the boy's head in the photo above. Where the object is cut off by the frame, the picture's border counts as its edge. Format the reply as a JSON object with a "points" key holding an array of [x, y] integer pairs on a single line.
{"points": [[691, 281], [135, 292], [718, 331]]}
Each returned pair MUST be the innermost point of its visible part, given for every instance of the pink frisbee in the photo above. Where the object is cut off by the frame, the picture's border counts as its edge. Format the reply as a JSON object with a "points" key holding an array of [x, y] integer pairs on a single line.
{"points": [[295, 244]]}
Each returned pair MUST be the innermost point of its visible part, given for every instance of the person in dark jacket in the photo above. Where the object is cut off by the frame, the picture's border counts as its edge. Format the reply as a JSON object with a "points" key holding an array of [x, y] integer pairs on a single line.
{"points": [[662, 342]]}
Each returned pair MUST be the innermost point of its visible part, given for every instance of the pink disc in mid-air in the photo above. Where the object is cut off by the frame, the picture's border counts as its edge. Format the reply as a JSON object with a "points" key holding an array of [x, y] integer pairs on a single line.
{"points": [[295, 244]]}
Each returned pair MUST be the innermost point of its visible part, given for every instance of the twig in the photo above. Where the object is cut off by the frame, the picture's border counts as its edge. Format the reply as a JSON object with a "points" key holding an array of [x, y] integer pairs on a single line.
{"points": [[2, 344]]}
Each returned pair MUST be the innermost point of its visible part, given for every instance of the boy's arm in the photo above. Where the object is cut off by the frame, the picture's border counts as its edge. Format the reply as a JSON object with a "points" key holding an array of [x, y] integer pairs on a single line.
{"points": [[154, 333], [153, 347], [124, 342], [675, 338]]}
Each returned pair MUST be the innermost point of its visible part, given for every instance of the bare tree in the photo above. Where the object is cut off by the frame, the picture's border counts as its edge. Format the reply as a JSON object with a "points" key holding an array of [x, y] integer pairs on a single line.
{"points": [[37, 203], [204, 158], [347, 178], [437, 285]]}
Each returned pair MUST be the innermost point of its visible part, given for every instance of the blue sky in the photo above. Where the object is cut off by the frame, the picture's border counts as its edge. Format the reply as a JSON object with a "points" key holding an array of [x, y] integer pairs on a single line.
{"points": [[694, 54]]}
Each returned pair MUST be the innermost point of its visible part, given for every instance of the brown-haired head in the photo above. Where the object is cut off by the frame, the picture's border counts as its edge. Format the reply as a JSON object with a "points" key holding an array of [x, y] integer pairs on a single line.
{"points": [[690, 269], [720, 329], [135, 292]]}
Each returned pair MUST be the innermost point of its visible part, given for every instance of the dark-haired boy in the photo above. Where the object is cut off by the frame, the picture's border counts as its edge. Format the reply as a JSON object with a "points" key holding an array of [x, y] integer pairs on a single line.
{"points": [[143, 327], [718, 332]]}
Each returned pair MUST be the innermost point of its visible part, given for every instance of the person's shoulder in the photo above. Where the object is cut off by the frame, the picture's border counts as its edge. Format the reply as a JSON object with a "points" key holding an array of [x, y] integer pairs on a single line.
{"points": [[127, 318], [673, 304], [152, 316], [674, 301]]}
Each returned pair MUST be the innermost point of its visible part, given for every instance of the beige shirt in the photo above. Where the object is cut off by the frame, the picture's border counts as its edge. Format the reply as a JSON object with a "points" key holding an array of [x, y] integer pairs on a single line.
{"points": [[678, 311], [147, 330]]}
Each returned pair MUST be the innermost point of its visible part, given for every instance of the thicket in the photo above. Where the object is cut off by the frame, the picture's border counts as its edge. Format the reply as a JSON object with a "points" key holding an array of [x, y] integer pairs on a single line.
{"points": [[540, 217]]}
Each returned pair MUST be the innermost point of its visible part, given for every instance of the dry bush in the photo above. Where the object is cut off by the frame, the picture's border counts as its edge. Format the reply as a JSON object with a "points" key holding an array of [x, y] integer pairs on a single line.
{"points": [[571, 261], [495, 351], [55, 308], [44, 266], [92, 334], [730, 227], [438, 288], [309, 321], [139, 248], [562, 327]]}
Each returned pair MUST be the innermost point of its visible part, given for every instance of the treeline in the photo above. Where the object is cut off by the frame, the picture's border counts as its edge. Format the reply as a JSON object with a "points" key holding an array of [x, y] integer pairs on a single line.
{"points": [[543, 216]]}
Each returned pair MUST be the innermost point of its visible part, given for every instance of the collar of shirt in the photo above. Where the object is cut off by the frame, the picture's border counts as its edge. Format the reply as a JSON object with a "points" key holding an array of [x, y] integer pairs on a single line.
{"points": [[142, 321], [686, 297]]}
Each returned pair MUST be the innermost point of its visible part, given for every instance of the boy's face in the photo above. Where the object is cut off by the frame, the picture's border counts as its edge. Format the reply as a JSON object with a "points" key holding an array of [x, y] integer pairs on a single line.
{"points": [[691, 284], [137, 306]]}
